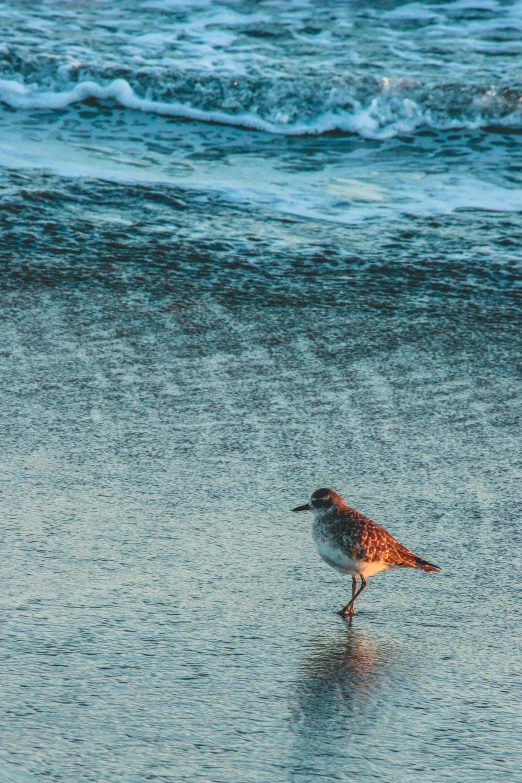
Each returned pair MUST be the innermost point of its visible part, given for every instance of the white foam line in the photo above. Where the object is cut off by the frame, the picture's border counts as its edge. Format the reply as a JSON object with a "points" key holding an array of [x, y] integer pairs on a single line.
{"points": [[377, 121], [18, 96]]}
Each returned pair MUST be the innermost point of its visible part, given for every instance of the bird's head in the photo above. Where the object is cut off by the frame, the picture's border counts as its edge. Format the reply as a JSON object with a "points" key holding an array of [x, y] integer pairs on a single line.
{"points": [[323, 501]]}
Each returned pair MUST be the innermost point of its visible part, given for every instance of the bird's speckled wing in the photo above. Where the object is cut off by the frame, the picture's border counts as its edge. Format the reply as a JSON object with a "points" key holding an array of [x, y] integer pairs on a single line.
{"points": [[365, 540]]}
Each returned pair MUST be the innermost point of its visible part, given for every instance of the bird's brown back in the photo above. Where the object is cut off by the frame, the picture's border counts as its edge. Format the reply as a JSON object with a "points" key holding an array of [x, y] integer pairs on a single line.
{"points": [[364, 539]]}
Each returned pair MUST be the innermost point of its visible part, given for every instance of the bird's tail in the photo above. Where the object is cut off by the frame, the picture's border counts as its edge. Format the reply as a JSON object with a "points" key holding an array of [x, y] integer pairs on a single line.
{"points": [[423, 565]]}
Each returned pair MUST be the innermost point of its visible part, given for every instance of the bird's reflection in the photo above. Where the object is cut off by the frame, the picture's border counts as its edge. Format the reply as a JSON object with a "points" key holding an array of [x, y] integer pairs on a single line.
{"points": [[338, 675], [337, 700]]}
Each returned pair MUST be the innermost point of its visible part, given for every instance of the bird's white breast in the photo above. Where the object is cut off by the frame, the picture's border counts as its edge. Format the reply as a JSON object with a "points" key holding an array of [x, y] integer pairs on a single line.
{"points": [[342, 562]]}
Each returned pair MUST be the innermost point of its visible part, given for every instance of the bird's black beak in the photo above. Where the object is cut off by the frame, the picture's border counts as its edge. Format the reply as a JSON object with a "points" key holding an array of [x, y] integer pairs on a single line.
{"points": [[306, 507]]}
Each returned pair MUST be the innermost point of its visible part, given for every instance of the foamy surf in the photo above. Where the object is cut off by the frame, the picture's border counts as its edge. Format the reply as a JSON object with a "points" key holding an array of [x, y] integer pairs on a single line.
{"points": [[342, 192], [383, 116]]}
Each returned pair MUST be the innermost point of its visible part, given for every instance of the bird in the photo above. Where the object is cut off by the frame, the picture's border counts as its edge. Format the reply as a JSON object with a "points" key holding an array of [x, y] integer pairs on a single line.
{"points": [[354, 544]]}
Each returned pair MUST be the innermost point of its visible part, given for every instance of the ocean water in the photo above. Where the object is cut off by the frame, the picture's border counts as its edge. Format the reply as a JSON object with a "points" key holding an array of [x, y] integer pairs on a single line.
{"points": [[249, 249]]}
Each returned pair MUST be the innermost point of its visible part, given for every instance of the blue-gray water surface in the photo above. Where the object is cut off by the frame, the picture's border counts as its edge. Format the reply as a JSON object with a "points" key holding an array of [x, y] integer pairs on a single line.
{"points": [[249, 249]]}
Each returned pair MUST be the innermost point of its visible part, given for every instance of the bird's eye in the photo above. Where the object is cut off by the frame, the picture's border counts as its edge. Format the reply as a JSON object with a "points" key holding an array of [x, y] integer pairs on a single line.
{"points": [[321, 503]]}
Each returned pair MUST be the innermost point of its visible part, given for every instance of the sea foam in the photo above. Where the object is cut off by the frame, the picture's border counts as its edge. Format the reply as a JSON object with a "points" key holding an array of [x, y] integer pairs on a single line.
{"points": [[381, 116]]}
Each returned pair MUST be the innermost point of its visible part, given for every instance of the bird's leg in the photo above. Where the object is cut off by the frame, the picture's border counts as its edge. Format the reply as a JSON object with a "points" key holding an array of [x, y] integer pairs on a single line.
{"points": [[349, 608]]}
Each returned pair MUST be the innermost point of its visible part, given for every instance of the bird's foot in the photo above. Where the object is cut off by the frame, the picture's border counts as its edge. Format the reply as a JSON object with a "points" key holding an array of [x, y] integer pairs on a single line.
{"points": [[347, 612]]}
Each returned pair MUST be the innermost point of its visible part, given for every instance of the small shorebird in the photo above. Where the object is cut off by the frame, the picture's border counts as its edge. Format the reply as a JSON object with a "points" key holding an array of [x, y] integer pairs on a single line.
{"points": [[355, 545]]}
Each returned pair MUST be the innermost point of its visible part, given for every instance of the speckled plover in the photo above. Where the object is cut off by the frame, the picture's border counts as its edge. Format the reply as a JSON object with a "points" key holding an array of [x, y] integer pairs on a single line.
{"points": [[355, 545]]}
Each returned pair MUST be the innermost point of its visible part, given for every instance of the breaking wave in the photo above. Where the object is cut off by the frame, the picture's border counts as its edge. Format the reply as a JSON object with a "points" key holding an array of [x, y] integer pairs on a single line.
{"points": [[368, 107]]}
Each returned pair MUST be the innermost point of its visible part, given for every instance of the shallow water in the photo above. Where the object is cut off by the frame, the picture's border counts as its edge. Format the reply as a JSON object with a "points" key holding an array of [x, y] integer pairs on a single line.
{"points": [[201, 324]]}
